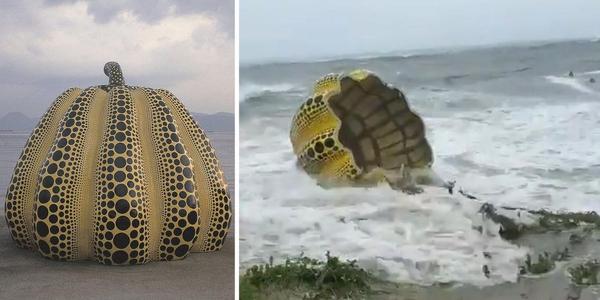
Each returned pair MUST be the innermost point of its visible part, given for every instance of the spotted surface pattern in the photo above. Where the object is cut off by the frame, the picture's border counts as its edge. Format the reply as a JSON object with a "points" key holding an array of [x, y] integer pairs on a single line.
{"points": [[114, 73], [315, 140], [366, 125], [64, 212], [313, 115], [181, 224], [121, 210], [18, 196], [317, 150], [208, 165], [55, 210]]}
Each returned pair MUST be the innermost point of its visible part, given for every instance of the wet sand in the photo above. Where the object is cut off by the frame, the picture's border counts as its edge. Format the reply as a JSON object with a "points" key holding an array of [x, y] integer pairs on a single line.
{"points": [[24, 274]]}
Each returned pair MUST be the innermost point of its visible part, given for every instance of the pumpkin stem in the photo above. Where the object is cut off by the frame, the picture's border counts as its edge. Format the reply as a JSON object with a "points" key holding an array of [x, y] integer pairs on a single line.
{"points": [[113, 71]]}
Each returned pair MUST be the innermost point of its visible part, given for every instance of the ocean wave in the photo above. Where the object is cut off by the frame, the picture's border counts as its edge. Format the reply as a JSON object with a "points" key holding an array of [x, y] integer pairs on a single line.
{"points": [[252, 90], [425, 238], [592, 72], [573, 83]]}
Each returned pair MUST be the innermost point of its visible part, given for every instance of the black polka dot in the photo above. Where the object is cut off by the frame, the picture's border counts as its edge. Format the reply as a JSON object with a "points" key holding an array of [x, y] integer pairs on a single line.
{"points": [[188, 234], [123, 222], [120, 257], [185, 160], [120, 162], [120, 136], [121, 190], [41, 229], [181, 250], [192, 217], [44, 246], [187, 172], [48, 181], [179, 148], [121, 241], [120, 176], [62, 143], [122, 206], [44, 196], [189, 186], [42, 212], [120, 148], [66, 132], [329, 142], [319, 147], [52, 168], [191, 201], [57, 155]]}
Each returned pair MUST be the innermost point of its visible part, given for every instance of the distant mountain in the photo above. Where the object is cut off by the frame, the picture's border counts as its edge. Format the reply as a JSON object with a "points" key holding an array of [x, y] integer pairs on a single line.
{"points": [[16, 121]]}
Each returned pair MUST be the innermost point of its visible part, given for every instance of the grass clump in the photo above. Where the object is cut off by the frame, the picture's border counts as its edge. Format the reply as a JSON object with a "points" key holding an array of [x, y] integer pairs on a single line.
{"points": [[545, 263], [546, 221], [559, 221], [585, 273], [306, 278]]}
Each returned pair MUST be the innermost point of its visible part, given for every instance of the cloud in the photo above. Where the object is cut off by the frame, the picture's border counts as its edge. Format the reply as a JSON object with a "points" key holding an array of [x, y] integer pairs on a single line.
{"points": [[152, 11], [45, 47]]}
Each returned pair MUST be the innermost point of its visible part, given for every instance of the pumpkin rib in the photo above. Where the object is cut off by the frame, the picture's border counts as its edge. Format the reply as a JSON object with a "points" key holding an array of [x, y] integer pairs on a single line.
{"points": [[93, 140], [56, 239], [218, 206], [178, 190], [121, 236], [21, 192], [153, 175]]}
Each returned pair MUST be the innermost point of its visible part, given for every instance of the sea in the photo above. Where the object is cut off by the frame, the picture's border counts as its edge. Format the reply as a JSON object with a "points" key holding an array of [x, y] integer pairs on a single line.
{"points": [[506, 122]]}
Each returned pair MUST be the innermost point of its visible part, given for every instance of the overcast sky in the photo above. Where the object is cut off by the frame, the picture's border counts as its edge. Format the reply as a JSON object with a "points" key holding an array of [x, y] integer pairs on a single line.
{"points": [[47, 46], [309, 29]]}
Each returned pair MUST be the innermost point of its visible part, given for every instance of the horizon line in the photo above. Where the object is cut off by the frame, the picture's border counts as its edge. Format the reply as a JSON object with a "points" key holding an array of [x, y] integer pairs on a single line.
{"points": [[410, 52]]}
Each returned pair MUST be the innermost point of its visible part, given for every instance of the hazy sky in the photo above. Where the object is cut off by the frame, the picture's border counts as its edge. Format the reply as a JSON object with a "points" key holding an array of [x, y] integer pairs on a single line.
{"points": [[48, 46], [308, 29]]}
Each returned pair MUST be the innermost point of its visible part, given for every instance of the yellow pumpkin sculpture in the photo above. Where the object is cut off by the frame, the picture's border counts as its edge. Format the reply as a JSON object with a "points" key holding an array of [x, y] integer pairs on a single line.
{"points": [[120, 174], [356, 130]]}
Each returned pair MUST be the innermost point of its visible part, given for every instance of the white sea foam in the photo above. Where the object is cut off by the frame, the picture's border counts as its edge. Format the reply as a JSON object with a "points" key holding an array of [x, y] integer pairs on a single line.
{"points": [[429, 237], [573, 83], [592, 72], [252, 90]]}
